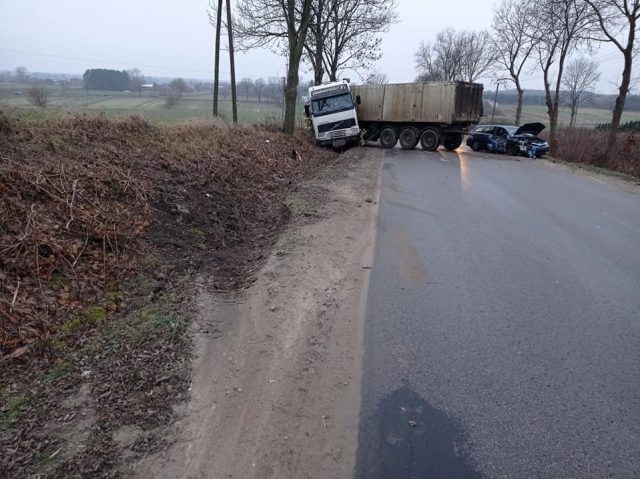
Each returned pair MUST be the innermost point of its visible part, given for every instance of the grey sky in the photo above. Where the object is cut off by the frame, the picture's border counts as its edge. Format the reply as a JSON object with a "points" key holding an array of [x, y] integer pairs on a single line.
{"points": [[172, 38]]}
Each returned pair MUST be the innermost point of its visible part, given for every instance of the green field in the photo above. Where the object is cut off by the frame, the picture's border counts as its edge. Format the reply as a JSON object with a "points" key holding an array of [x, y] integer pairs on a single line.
{"points": [[197, 105], [153, 107], [587, 117]]}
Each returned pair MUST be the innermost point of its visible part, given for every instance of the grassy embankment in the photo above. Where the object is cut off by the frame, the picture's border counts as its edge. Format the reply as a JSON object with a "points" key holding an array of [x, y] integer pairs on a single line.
{"points": [[107, 228]]}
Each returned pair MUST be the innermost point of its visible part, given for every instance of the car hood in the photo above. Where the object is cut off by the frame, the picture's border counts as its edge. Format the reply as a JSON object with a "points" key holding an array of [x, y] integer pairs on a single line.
{"points": [[531, 128]]}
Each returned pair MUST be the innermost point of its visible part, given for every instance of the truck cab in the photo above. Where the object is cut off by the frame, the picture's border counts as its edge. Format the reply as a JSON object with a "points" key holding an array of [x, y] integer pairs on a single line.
{"points": [[332, 112]]}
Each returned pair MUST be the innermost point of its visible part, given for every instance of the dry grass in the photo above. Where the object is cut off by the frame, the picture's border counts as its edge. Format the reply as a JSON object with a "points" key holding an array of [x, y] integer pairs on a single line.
{"points": [[582, 145], [83, 199]]}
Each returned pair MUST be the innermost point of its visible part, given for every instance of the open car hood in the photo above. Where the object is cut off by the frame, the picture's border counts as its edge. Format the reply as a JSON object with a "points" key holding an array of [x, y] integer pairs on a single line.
{"points": [[531, 128]]}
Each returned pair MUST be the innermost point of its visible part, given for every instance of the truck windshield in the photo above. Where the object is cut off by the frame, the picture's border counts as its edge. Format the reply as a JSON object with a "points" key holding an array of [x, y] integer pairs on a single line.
{"points": [[332, 104]]}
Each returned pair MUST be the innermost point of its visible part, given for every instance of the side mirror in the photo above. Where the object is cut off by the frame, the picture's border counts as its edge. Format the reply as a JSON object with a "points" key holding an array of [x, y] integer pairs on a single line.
{"points": [[358, 100], [307, 111]]}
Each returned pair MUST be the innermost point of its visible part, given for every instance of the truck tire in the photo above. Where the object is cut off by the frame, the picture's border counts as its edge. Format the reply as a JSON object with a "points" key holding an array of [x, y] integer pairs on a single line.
{"points": [[388, 138], [452, 141], [430, 139], [408, 138]]}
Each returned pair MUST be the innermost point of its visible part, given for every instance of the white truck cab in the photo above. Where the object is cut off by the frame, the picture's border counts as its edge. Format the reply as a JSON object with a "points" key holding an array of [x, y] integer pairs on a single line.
{"points": [[332, 112]]}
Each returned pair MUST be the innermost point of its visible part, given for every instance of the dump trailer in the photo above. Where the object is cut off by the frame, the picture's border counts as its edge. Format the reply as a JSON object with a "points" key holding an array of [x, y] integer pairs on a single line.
{"points": [[432, 114]]}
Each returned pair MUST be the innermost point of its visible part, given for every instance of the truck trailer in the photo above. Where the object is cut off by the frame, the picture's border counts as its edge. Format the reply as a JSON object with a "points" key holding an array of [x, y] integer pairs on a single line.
{"points": [[432, 114]]}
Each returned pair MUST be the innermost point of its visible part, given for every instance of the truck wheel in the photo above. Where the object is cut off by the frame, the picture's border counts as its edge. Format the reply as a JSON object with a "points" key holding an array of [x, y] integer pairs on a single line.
{"points": [[452, 141], [430, 140], [408, 138], [388, 138]]}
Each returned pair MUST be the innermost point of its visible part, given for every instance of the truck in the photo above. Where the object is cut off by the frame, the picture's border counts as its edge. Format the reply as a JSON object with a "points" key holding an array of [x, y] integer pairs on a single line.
{"points": [[431, 113]]}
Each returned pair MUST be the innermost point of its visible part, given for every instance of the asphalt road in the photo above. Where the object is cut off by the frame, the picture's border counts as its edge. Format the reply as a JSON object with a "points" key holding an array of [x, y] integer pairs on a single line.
{"points": [[502, 337]]}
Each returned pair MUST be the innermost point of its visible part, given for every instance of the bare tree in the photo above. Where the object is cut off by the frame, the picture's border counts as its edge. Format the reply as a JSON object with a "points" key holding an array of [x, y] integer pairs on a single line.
{"points": [[22, 74], [513, 43], [279, 24], [479, 58], [318, 32], [354, 28], [178, 86], [38, 96], [377, 78], [275, 90], [136, 80], [258, 86], [64, 87], [580, 76], [559, 27], [246, 85], [619, 21], [455, 55]]}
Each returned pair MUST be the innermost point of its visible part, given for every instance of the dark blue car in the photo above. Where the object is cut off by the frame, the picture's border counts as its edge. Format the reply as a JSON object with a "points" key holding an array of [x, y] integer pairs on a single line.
{"points": [[512, 140]]}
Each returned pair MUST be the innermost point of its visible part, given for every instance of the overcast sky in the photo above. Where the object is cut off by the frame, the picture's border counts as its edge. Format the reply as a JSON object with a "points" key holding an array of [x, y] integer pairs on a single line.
{"points": [[173, 38]]}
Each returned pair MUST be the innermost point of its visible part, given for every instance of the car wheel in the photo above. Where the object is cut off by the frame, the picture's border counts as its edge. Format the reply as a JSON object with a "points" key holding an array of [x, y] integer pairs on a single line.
{"points": [[430, 140], [408, 138], [388, 138], [452, 141], [511, 150], [475, 146]]}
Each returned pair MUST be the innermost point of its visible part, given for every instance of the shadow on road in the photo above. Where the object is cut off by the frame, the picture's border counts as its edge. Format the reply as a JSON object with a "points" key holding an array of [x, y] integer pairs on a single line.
{"points": [[407, 438]]}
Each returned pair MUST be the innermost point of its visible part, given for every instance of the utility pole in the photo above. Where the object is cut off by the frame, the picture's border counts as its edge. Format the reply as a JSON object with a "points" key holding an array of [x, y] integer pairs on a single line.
{"points": [[234, 93], [216, 72], [495, 100]]}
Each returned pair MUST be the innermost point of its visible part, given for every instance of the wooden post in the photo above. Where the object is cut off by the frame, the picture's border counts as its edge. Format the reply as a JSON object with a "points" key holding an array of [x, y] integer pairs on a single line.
{"points": [[234, 93]]}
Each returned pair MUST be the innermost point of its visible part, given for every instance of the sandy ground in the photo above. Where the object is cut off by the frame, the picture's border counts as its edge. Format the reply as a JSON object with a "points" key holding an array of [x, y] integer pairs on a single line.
{"points": [[276, 379]]}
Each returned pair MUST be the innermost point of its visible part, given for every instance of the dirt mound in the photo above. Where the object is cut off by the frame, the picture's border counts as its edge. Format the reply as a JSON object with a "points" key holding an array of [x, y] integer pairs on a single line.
{"points": [[86, 202]]}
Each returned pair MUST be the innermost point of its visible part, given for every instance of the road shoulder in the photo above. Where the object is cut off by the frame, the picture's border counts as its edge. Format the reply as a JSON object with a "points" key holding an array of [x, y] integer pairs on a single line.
{"points": [[276, 377]]}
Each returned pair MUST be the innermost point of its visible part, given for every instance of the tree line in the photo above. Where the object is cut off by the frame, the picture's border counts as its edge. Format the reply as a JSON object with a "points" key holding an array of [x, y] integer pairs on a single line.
{"points": [[549, 39], [329, 35]]}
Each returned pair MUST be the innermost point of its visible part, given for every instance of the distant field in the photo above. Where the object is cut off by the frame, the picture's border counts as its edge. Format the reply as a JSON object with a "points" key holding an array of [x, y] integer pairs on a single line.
{"points": [[198, 105], [587, 117], [152, 107]]}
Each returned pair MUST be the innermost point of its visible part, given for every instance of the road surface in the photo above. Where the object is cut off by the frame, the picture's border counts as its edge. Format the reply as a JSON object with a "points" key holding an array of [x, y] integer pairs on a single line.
{"points": [[502, 336]]}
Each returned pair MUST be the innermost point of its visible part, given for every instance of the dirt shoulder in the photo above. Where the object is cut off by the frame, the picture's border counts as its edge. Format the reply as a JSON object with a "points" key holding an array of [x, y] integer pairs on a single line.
{"points": [[628, 183], [276, 378]]}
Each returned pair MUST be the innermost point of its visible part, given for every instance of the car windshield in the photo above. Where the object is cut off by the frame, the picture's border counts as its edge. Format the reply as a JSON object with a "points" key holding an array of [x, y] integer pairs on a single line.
{"points": [[324, 106], [511, 130]]}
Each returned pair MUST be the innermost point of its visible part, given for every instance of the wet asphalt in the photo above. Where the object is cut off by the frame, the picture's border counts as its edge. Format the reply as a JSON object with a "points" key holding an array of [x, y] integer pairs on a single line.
{"points": [[502, 336]]}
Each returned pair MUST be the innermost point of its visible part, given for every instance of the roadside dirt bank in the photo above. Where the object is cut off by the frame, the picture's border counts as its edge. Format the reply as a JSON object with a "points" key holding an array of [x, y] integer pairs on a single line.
{"points": [[276, 376]]}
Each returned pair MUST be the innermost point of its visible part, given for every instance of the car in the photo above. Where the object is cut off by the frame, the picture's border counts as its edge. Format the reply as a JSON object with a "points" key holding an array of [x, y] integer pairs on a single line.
{"points": [[512, 140]]}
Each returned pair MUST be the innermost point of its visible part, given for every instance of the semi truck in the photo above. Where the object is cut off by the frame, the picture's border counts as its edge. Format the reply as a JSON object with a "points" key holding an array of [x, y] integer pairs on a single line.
{"points": [[430, 114]]}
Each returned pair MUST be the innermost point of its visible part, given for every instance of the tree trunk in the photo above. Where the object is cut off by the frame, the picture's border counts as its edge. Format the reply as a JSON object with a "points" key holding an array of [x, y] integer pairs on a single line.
{"points": [[297, 40], [519, 107], [290, 97], [548, 101], [216, 67], [232, 66], [618, 109], [318, 70], [574, 113]]}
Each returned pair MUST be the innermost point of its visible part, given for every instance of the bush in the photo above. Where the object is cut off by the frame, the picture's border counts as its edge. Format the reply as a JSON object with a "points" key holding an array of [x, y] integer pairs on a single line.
{"points": [[172, 99], [582, 145], [38, 95], [628, 126]]}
